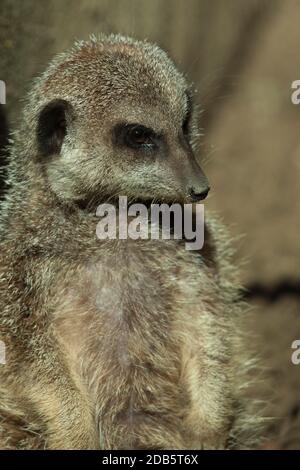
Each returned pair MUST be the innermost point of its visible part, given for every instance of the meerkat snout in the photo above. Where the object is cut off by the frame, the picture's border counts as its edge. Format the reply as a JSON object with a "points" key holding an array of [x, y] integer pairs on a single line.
{"points": [[197, 185], [199, 196], [116, 119]]}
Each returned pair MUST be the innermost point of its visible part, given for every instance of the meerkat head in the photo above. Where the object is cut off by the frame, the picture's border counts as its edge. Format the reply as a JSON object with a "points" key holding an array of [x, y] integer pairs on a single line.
{"points": [[113, 117]]}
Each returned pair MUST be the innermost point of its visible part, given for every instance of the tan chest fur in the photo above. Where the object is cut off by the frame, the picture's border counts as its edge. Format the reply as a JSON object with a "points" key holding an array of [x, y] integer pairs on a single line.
{"points": [[142, 347]]}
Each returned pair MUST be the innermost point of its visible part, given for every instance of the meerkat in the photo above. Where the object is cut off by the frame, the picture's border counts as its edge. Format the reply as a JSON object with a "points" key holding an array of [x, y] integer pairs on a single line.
{"points": [[113, 344]]}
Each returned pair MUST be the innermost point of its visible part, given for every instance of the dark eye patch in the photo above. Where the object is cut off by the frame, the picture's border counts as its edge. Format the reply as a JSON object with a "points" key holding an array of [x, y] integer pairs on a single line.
{"points": [[136, 136], [188, 114]]}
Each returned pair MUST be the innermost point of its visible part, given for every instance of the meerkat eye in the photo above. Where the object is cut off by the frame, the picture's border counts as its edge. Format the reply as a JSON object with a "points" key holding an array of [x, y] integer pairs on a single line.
{"points": [[136, 136]]}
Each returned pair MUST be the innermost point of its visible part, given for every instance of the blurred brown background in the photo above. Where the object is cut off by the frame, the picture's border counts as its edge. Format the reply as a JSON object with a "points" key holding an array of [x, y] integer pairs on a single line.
{"points": [[242, 57]]}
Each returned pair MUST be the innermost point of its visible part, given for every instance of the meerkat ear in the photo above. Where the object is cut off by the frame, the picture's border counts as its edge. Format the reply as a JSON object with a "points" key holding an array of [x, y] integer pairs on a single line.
{"points": [[52, 126]]}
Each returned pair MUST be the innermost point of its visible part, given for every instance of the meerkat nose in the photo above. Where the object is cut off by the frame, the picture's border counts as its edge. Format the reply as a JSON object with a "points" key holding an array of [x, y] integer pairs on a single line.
{"points": [[198, 196]]}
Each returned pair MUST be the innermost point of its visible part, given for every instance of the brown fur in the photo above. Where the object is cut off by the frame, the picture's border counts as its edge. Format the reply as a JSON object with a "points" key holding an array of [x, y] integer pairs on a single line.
{"points": [[120, 343]]}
